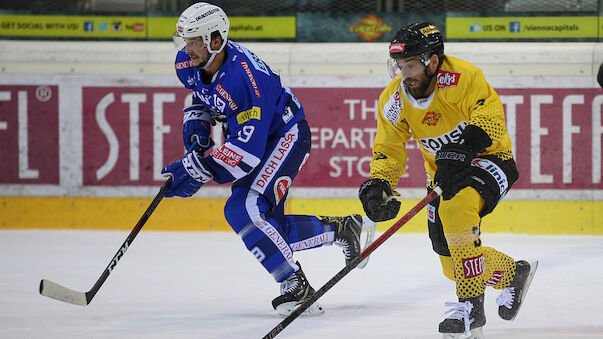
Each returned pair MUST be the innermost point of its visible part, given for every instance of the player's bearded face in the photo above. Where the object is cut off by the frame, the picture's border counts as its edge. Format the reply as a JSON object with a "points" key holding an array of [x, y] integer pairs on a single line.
{"points": [[196, 49], [413, 75]]}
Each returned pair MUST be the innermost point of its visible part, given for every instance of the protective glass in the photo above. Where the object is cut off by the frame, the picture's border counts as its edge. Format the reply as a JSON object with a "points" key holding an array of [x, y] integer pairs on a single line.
{"points": [[409, 67]]}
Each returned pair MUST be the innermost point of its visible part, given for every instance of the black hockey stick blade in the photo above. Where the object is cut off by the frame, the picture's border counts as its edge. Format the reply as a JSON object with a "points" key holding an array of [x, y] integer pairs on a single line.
{"points": [[370, 249], [59, 292]]}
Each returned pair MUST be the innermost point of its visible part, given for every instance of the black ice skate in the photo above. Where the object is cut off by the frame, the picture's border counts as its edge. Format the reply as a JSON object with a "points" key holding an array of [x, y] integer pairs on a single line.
{"points": [[466, 319], [294, 291], [353, 234], [511, 297]]}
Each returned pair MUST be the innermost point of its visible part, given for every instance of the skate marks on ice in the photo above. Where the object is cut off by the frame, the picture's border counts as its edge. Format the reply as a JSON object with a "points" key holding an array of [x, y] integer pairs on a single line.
{"points": [[206, 285]]}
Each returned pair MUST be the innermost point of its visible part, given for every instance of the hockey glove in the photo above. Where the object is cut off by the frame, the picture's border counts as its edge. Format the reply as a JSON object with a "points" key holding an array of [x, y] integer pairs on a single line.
{"points": [[377, 200], [454, 168], [188, 175], [196, 128], [454, 160]]}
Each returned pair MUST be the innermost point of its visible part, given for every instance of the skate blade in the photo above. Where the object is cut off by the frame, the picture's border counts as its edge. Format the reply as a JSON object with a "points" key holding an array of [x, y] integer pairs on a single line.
{"points": [[476, 333], [533, 267], [285, 309], [367, 236]]}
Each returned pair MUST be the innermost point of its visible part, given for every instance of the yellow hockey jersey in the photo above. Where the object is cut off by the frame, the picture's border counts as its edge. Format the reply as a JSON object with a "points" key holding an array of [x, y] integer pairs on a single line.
{"points": [[461, 97]]}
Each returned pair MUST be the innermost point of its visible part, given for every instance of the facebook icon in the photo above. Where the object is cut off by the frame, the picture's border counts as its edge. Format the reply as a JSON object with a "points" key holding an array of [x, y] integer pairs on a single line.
{"points": [[88, 26], [514, 27]]}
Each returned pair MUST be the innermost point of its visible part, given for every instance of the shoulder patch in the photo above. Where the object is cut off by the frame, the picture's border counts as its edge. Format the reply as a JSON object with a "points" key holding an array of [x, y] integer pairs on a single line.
{"points": [[448, 79], [392, 108], [256, 62]]}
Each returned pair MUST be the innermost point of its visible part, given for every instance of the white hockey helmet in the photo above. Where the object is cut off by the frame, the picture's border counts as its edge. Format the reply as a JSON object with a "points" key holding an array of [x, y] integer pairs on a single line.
{"points": [[201, 20]]}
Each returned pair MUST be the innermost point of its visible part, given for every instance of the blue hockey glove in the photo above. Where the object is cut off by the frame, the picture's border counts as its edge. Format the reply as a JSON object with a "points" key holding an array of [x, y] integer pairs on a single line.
{"points": [[188, 175], [196, 128]]}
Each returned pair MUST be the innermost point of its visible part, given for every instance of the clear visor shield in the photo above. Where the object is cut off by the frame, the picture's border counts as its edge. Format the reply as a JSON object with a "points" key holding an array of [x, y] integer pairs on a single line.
{"points": [[409, 67], [180, 42]]}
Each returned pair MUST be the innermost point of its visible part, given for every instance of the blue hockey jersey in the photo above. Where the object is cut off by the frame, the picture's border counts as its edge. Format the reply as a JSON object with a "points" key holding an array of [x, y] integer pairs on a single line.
{"points": [[257, 109]]}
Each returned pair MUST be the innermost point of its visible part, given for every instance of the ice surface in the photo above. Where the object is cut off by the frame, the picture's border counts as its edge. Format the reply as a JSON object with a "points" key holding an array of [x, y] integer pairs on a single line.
{"points": [[206, 285]]}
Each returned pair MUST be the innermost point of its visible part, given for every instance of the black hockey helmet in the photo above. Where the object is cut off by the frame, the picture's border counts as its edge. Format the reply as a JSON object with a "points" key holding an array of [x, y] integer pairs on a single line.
{"points": [[417, 39]]}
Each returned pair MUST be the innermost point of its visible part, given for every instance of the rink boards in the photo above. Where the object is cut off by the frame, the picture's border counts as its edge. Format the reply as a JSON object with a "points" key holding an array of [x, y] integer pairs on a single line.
{"points": [[85, 135]]}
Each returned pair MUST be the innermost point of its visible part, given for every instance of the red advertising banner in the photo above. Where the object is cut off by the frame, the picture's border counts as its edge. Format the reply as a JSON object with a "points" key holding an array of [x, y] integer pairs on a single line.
{"points": [[129, 134], [29, 134]]}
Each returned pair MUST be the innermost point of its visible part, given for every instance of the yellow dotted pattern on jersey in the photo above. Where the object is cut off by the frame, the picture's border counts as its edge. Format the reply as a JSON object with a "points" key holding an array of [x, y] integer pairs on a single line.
{"points": [[489, 116], [387, 169], [498, 262]]}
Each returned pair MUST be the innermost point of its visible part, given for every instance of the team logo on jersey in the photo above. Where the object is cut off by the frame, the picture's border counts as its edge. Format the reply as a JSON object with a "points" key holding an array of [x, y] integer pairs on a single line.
{"points": [[432, 145], [448, 79], [431, 118], [224, 93], [281, 186], [226, 155], [254, 112], [392, 108], [495, 171], [251, 78]]}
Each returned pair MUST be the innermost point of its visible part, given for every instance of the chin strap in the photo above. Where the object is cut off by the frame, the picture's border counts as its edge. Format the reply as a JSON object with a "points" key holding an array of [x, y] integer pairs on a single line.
{"points": [[210, 60]]}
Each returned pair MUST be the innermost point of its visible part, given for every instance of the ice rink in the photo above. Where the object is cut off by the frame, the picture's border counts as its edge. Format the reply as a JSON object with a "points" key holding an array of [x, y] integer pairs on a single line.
{"points": [[206, 285]]}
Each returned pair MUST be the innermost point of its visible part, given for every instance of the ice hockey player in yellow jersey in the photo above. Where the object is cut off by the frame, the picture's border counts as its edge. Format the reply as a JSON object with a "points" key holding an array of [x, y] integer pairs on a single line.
{"points": [[448, 107]]}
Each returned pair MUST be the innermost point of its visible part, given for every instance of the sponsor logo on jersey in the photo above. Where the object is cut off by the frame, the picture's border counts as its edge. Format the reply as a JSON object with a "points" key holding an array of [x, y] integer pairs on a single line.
{"points": [[275, 161], [392, 108], [473, 267], [495, 171], [254, 112], [226, 155], [496, 276], [431, 118], [183, 64], [431, 213], [276, 237], [448, 79], [224, 93], [311, 242], [251, 78], [281, 186], [432, 145]]}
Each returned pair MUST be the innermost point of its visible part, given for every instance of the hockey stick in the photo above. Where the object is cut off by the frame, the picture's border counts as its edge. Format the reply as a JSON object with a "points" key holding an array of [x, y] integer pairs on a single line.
{"points": [[62, 293], [370, 249]]}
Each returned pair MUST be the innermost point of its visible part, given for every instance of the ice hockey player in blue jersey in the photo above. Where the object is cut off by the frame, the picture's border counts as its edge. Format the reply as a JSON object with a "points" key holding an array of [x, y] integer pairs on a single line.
{"points": [[267, 141]]}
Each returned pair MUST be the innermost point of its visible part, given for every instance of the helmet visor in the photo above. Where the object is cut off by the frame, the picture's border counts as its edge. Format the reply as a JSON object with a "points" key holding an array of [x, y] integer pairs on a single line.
{"points": [[408, 67], [179, 42]]}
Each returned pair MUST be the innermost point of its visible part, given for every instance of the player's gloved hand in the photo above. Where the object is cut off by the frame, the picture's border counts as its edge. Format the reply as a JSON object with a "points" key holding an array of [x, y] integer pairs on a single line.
{"points": [[196, 128], [188, 175], [378, 200], [454, 168]]}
